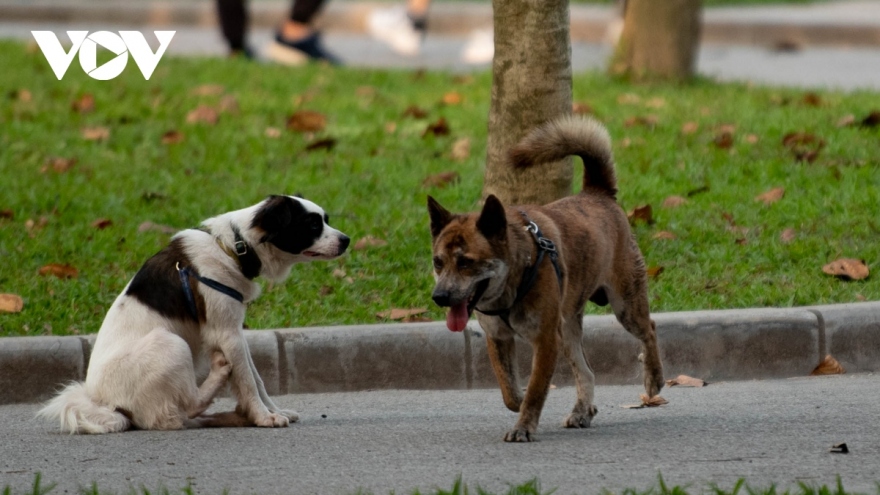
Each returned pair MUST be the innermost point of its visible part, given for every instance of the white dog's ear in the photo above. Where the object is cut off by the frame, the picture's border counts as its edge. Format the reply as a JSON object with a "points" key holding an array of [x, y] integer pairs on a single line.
{"points": [[273, 216]]}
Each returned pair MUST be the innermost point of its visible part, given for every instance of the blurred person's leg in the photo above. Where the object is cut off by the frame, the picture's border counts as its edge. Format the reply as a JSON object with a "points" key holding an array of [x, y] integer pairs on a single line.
{"points": [[401, 27], [297, 41], [233, 24]]}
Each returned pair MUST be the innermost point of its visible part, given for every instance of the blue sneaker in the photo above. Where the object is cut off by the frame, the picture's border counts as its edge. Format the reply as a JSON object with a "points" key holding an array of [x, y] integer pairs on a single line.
{"points": [[300, 52]]}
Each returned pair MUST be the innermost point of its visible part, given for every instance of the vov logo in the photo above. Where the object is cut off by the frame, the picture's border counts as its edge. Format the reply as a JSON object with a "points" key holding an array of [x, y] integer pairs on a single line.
{"points": [[86, 44]]}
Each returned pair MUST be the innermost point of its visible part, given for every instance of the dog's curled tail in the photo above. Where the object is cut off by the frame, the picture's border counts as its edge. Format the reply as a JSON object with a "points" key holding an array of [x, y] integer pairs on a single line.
{"points": [[571, 135], [78, 413]]}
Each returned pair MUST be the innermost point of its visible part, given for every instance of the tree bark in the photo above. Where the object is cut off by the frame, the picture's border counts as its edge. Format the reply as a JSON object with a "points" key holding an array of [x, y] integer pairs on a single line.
{"points": [[531, 83], [660, 40]]}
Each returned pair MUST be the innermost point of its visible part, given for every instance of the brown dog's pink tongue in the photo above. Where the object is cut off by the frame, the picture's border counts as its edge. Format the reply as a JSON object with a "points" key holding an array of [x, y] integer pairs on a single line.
{"points": [[457, 317]]}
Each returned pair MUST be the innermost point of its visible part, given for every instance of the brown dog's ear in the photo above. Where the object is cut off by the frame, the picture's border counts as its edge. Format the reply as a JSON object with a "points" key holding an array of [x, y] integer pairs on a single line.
{"points": [[492, 222], [440, 216]]}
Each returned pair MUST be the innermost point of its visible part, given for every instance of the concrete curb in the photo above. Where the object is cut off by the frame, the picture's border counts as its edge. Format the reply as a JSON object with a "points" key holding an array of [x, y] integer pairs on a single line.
{"points": [[713, 345], [588, 22]]}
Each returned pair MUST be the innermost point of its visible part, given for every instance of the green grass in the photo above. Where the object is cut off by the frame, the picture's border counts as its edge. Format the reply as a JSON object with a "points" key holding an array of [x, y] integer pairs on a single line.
{"points": [[531, 487], [371, 184]]}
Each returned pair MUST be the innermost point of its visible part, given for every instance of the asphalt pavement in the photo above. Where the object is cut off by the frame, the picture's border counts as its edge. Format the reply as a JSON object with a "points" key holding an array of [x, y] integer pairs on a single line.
{"points": [[777, 431]]}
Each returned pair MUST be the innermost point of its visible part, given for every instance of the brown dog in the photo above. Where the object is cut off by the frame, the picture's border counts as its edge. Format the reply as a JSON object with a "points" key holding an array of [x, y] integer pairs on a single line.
{"points": [[529, 271]]}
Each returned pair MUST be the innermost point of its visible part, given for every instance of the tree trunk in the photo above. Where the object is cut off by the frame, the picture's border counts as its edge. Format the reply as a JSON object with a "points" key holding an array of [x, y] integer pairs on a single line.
{"points": [[660, 40], [531, 83]]}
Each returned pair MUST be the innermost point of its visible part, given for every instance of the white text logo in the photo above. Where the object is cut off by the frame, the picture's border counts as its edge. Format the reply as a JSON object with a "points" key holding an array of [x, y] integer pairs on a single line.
{"points": [[87, 45]]}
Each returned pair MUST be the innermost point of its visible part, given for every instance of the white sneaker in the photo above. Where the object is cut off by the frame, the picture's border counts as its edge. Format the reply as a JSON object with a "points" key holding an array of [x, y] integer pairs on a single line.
{"points": [[480, 47], [394, 28]]}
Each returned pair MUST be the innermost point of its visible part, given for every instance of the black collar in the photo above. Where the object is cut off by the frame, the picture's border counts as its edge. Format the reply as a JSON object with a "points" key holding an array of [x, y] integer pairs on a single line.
{"points": [[545, 246], [247, 257], [243, 253]]}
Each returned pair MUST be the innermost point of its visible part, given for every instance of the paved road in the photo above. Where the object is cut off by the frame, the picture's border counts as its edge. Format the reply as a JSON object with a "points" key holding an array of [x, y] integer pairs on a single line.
{"points": [[771, 431], [844, 68]]}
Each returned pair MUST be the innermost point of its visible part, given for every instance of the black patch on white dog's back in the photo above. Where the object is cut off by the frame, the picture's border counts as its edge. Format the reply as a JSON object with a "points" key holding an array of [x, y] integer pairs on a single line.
{"points": [[157, 284], [288, 225]]}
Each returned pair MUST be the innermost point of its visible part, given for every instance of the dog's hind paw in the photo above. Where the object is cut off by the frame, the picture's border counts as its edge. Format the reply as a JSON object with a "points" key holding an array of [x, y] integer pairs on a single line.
{"points": [[577, 421], [272, 420], [292, 416], [518, 435]]}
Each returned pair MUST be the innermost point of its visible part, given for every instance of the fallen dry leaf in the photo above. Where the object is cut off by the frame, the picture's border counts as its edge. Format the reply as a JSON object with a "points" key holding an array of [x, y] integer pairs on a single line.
{"points": [[674, 202], [172, 137], [580, 108], [872, 120], [787, 235], [655, 102], [322, 144], [95, 133], [654, 271], [839, 448], [438, 128], [273, 132], [847, 269], [461, 149], [58, 164], [723, 140], [148, 226], [229, 104], [414, 112], [306, 121], [11, 303], [29, 224], [685, 381], [771, 196], [102, 223], [83, 104], [203, 114], [365, 91], [655, 401], [652, 401], [803, 145], [846, 120], [7, 214], [452, 98], [752, 138], [641, 213], [390, 127], [664, 235], [208, 90], [643, 120], [368, 242], [828, 366], [399, 314], [59, 270], [812, 100], [628, 99], [24, 95], [690, 128], [440, 180]]}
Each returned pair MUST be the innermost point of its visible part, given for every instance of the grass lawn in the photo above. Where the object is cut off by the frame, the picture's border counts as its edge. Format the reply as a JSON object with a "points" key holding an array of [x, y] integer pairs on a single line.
{"points": [[730, 250]]}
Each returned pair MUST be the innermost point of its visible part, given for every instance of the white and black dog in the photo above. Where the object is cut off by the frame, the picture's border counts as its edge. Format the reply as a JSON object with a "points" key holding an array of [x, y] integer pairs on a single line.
{"points": [[184, 309]]}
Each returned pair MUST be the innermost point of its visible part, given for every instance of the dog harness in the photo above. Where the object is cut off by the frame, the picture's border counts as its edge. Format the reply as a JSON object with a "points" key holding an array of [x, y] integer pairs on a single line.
{"points": [[545, 246], [238, 252]]}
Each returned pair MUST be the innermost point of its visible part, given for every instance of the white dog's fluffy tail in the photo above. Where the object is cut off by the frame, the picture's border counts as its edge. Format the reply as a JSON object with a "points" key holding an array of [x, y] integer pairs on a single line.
{"points": [[78, 413]]}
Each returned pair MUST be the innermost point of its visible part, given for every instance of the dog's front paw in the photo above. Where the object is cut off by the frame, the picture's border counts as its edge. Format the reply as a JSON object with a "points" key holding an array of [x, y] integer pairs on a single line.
{"points": [[653, 382], [292, 416], [579, 419], [519, 435], [272, 420]]}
